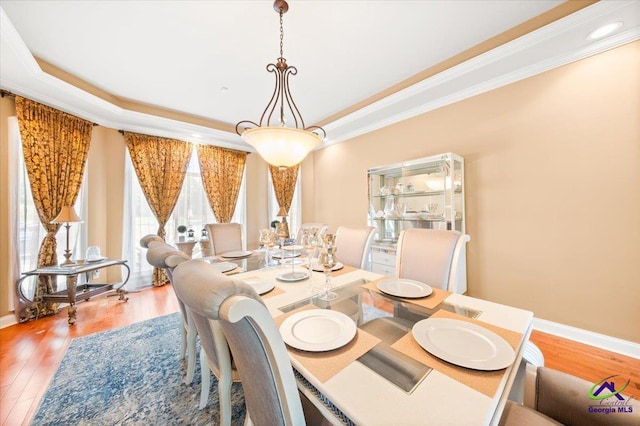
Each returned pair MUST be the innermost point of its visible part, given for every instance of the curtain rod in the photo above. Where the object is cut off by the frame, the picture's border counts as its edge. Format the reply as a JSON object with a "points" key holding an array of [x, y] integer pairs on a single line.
{"points": [[9, 94]]}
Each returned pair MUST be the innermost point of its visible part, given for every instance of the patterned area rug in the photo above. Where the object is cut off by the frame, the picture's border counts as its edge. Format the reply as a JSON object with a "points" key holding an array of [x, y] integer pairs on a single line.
{"points": [[130, 376]]}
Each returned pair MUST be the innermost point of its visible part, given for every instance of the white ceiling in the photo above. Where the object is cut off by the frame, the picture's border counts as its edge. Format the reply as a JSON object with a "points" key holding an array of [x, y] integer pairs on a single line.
{"points": [[177, 55]]}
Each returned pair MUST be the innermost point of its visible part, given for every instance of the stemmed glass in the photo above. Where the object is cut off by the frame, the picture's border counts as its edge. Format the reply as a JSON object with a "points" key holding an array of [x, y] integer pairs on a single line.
{"points": [[268, 240], [328, 260]]}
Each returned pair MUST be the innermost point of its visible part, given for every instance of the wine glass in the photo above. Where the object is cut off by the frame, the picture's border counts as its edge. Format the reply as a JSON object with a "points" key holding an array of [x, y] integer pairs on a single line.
{"points": [[328, 260], [268, 240]]}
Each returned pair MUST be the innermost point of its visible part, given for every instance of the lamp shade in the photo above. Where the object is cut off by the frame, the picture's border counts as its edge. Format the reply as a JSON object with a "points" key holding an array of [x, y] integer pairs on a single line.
{"points": [[281, 146], [67, 214]]}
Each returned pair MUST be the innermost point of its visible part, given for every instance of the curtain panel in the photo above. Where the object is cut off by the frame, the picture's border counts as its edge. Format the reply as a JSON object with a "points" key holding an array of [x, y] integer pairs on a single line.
{"points": [[55, 146], [221, 170], [161, 165], [284, 184]]}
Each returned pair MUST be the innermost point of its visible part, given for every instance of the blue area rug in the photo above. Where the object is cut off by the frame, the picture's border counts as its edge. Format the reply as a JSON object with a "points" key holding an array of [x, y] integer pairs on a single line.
{"points": [[131, 376]]}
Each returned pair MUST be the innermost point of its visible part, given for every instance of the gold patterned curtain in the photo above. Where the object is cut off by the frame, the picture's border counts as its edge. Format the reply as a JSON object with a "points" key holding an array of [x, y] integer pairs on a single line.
{"points": [[284, 184], [161, 165], [55, 146], [221, 170]]}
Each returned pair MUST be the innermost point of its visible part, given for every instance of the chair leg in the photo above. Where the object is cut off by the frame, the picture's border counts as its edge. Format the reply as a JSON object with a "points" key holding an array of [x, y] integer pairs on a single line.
{"points": [[224, 396], [206, 380], [183, 341], [191, 352]]}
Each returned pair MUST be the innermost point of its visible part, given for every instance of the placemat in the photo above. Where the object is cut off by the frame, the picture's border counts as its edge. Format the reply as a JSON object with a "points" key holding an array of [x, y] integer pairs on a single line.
{"points": [[429, 302], [325, 365], [486, 382]]}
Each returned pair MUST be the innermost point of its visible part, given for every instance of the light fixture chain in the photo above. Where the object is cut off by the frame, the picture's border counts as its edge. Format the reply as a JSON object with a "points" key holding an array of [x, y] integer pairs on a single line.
{"points": [[281, 35]]}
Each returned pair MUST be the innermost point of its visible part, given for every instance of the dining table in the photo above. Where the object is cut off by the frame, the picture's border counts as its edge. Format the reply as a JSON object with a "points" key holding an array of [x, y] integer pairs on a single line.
{"points": [[383, 375]]}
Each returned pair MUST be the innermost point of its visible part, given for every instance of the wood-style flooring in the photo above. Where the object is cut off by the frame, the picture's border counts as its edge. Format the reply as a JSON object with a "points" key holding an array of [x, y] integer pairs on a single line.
{"points": [[31, 352]]}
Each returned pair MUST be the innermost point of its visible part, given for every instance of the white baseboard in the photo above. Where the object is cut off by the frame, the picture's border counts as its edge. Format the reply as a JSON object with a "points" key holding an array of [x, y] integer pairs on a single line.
{"points": [[612, 344], [7, 320]]}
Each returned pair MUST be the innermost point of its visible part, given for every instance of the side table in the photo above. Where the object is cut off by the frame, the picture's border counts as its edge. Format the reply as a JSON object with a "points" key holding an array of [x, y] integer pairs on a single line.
{"points": [[74, 292]]}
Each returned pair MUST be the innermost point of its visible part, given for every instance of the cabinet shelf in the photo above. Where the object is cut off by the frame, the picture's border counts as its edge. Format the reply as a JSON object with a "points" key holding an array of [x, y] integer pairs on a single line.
{"points": [[416, 194]]}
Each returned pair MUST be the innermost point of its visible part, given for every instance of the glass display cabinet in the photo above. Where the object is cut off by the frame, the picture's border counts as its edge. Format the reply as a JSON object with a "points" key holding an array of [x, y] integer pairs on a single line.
{"points": [[421, 193]]}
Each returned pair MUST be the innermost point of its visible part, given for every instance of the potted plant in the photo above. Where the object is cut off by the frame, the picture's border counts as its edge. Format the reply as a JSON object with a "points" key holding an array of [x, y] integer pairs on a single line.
{"points": [[181, 230]]}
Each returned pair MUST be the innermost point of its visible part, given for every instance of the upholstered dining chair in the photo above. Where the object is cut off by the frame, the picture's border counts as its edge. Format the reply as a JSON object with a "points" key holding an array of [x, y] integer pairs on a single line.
{"points": [[165, 256], [433, 256], [259, 353], [224, 237], [321, 227], [556, 398], [352, 245]]}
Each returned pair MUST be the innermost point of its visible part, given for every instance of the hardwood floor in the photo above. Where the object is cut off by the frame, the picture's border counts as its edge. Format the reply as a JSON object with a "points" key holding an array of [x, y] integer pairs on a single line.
{"points": [[31, 352]]}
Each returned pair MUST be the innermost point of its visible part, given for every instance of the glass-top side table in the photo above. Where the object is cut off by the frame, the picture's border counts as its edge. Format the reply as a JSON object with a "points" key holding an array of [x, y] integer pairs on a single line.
{"points": [[74, 292]]}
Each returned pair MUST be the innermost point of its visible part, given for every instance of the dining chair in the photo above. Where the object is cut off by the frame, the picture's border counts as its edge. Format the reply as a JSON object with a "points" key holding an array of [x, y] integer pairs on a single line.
{"points": [[432, 256], [352, 245], [164, 256], [556, 398], [321, 227], [259, 353], [224, 237]]}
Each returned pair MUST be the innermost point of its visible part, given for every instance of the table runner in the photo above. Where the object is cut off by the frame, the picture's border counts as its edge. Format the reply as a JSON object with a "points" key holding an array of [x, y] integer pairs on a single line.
{"points": [[486, 382], [429, 302], [325, 365]]}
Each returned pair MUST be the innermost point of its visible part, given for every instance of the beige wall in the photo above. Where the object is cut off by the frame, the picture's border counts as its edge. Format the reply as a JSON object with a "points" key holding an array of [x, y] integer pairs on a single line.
{"points": [[7, 109], [552, 184]]}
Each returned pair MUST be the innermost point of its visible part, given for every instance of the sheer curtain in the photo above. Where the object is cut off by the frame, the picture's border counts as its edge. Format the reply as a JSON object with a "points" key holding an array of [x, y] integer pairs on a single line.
{"points": [[27, 230], [192, 210], [295, 211]]}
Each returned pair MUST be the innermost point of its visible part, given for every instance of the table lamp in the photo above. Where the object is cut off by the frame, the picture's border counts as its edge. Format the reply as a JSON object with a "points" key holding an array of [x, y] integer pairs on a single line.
{"points": [[66, 216]]}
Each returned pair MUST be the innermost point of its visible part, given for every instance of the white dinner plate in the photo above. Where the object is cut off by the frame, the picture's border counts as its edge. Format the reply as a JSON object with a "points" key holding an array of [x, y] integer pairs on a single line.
{"points": [[319, 268], [293, 248], [259, 285], [463, 343], [224, 266], [235, 254], [97, 259], [402, 287], [318, 330]]}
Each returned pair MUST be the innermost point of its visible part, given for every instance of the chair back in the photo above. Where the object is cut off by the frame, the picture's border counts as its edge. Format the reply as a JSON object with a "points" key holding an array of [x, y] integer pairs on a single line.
{"points": [[352, 245], [224, 237], [259, 353], [433, 256], [148, 239], [321, 227]]}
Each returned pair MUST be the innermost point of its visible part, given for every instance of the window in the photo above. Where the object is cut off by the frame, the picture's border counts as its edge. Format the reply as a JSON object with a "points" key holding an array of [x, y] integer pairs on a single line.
{"points": [[29, 230], [192, 210], [295, 211]]}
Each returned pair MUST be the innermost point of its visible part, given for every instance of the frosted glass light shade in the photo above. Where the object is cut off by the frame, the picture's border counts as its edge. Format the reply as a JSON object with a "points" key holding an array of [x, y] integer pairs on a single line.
{"points": [[281, 146]]}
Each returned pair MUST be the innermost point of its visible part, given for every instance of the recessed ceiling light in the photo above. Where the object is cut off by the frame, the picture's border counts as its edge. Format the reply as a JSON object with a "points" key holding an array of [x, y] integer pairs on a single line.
{"points": [[224, 89], [604, 30]]}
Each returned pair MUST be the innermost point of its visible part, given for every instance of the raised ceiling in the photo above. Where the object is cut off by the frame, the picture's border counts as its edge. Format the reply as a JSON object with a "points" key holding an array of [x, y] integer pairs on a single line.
{"points": [[192, 69]]}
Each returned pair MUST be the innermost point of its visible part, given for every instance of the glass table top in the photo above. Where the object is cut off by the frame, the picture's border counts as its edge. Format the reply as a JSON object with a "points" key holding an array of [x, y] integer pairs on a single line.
{"points": [[389, 319]]}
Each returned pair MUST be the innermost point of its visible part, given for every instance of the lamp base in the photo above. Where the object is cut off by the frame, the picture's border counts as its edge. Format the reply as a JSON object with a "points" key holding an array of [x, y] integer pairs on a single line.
{"points": [[67, 256]]}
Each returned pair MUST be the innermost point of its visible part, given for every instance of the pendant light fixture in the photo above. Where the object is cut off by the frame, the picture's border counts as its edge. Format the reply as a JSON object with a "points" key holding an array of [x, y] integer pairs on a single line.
{"points": [[283, 141]]}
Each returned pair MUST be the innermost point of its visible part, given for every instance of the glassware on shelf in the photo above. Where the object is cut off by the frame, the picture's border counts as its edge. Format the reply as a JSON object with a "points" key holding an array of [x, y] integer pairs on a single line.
{"points": [[328, 260]]}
